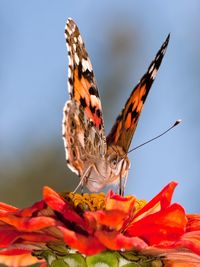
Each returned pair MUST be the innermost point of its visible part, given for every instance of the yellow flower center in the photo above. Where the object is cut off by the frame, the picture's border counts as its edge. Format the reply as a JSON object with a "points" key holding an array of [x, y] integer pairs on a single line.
{"points": [[86, 202], [139, 204], [93, 201]]}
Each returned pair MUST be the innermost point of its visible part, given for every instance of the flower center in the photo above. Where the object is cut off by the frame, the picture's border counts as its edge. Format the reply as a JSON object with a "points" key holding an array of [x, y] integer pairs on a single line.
{"points": [[93, 201], [85, 202]]}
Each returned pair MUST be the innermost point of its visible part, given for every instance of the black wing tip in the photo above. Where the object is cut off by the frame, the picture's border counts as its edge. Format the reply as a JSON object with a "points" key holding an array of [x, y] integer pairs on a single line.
{"points": [[155, 64], [168, 38], [166, 42], [164, 46]]}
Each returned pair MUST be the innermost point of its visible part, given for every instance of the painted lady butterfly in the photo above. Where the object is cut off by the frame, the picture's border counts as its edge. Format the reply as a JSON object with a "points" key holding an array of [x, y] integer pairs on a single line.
{"points": [[97, 159]]}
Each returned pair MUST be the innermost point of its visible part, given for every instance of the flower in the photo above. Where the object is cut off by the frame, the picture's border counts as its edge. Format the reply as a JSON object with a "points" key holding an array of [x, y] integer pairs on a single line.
{"points": [[92, 227]]}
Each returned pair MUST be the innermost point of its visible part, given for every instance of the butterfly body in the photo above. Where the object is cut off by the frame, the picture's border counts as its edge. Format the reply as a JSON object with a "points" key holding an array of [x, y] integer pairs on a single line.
{"points": [[98, 160], [99, 165]]}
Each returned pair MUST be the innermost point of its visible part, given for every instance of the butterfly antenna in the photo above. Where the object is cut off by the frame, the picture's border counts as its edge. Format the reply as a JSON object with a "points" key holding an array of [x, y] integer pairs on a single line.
{"points": [[156, 137]]}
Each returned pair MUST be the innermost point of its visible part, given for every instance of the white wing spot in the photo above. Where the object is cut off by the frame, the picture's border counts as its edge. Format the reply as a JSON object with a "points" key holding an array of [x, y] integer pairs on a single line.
{"points": [[70, 87], [69, 48], [69, 72], [63, 126], [63, 133], [66, 154], [73, 169], [95, 101], [76, 58], [152, 67], [86, 65], [164, 50], [157, 57], [153, 75], [74, 47], [81, 139], [80, 39]]}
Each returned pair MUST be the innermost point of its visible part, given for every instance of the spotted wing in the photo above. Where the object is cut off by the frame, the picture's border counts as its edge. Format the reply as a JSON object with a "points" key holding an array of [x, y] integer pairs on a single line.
{"points": [[83, 126], [122, 132]]}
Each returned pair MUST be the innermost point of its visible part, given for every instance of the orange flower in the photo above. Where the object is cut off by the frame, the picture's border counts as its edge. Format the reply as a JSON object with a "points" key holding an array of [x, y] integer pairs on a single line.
{"points": [[91, 224]]}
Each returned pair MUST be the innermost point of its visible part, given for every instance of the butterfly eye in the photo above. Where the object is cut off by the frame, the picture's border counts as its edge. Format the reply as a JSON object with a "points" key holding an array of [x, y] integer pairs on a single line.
{"points": [[114, 162]]}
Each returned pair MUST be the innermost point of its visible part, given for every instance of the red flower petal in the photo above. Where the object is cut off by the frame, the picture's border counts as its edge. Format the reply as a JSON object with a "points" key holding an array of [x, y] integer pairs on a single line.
{"points": [[175, 257], [54, 201], [9, 235], [7, 208], [87, 245], [190, 240], [158, 225], [111, 218], [28, 212], [160, 201], [28, 224], [117, 241], [17, 257], [182, 259], [116, 202], [193, 222], [14, 251], [168, 224]]}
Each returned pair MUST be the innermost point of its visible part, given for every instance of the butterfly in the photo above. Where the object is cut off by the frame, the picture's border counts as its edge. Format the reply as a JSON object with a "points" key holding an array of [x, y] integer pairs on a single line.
{"points": [[99, 160]]}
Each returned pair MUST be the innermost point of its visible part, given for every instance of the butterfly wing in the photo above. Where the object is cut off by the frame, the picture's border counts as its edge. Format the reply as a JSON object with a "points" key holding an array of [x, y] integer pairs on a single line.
{"points": [[122, 132], [83, 126]]}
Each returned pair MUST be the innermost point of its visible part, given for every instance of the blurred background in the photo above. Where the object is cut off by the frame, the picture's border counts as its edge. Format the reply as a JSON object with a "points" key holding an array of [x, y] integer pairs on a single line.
{"points": [[122, 37]]}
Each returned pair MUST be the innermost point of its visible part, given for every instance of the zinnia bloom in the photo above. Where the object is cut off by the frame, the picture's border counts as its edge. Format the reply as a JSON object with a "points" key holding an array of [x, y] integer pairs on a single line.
{"points": [[70, 229]]}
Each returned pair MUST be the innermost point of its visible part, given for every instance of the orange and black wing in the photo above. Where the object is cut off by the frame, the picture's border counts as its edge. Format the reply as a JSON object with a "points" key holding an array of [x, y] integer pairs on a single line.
{"points": [[81, 81], [122, 132], [83, 126]]}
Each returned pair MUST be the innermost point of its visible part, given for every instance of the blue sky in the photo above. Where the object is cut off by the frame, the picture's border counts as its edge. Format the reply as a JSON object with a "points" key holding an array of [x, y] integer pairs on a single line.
{"points": [[33, 82]]}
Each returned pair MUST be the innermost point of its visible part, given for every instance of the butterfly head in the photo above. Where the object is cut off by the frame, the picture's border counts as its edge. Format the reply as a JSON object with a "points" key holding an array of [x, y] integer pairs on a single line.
{"points": [[118, 163], [108, 170]]}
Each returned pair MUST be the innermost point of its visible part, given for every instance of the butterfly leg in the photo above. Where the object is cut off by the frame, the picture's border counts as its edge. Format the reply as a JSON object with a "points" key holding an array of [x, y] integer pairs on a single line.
{"points": [[122, 184], [81, 183], [125, 182], [82, 186]]}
